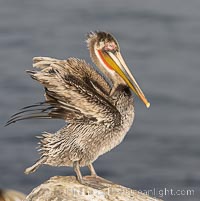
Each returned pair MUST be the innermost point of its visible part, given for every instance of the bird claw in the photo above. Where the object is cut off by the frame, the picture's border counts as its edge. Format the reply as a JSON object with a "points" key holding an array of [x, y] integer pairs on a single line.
{"points": [[99, 179], [95, 182]]}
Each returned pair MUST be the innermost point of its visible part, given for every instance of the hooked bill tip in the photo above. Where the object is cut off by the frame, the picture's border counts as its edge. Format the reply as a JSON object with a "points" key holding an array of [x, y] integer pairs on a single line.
{"points": [[148, 105]]}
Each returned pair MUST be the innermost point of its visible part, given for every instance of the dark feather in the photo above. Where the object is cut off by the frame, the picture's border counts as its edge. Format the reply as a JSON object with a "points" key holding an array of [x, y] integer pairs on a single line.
{"points": [[74, 91]]}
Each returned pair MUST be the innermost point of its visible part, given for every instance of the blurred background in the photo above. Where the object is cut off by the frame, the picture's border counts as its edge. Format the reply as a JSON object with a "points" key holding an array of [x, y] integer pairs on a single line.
{"points": [[160, 42]]}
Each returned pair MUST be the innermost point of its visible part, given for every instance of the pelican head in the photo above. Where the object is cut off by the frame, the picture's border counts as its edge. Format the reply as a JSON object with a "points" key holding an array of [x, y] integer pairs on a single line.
{"points": [[105, 53]]}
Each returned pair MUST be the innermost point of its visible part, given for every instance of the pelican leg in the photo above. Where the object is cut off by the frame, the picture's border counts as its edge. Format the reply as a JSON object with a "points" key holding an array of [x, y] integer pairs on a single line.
{"points": [[92, 170], [95, 176], [88, 181], [76, 167]]}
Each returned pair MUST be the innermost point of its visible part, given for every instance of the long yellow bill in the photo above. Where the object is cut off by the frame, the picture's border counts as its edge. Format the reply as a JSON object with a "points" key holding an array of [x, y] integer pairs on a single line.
{"points": [[116, 62]]}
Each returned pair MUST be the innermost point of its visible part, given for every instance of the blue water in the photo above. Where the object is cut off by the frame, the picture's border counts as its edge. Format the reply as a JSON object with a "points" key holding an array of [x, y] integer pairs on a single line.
{"points": [[160, 42]]}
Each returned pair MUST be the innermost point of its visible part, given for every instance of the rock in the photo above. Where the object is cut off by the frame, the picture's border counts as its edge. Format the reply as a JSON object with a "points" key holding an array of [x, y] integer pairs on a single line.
{"points": [[11, 195], [67, 188]]}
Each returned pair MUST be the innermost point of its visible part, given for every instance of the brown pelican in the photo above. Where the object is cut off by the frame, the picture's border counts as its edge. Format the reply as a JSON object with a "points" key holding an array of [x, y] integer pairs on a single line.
{"points": [[99, 110]]}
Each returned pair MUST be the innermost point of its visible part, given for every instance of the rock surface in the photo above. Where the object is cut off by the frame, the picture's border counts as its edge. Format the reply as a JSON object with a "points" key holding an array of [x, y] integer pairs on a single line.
{"points": [[61, 188], [11, 195]]}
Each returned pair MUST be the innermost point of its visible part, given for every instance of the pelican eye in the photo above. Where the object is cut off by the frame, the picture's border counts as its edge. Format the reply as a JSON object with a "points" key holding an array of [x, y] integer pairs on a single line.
{"points": [[114, 51], [107, 50], [110, 47]]}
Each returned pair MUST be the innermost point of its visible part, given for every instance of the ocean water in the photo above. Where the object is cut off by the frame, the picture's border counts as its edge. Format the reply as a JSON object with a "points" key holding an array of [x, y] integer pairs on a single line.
{"points": [[160, 42]]}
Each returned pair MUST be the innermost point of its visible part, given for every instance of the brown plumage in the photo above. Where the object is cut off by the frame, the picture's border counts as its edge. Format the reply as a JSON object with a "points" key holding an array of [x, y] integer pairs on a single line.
{"points": [[98, 113]]}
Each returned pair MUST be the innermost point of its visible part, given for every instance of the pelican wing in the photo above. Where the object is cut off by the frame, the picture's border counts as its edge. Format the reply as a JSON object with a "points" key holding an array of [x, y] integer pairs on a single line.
{"points": [[74, 91], [78, 67]]}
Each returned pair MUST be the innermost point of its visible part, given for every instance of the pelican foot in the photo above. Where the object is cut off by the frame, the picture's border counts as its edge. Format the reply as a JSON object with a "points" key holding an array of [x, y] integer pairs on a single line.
{"points": [[99, 179], [92, 182]]}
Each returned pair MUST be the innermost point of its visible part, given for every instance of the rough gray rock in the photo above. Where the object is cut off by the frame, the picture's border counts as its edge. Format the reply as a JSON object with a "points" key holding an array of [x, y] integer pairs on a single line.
{"points": [[66, 188]]}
